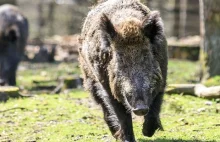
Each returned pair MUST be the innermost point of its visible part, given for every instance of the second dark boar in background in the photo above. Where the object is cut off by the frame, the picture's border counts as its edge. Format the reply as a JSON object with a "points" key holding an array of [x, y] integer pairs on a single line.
{"points": [[13, 38]]}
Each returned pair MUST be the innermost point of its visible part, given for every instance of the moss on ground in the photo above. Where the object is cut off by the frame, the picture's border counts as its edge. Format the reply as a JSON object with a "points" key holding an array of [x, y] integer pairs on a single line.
{"points": [[72, 115], [213, 81], [180, 71]]}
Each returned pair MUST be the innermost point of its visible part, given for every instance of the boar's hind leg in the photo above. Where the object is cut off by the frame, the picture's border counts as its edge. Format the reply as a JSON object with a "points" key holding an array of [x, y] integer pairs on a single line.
{"points": [[125, 119], [152, 119]]}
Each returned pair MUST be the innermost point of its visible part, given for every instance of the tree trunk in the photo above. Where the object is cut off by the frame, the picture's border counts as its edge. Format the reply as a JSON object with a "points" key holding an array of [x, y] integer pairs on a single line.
{"points": [[40, 21], [176, 18], [183, 16], [51, 12], [210, 33]]}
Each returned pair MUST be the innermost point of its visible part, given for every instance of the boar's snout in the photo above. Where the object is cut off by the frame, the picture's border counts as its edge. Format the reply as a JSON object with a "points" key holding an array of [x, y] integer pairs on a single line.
{"points": [[140, 109]]}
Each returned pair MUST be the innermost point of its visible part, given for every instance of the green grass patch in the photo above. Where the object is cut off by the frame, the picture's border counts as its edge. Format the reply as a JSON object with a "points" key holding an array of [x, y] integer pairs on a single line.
{"points": [[67, 118], [182, 71], [43, 71], [51, 118], [72, 115], [214, 81]]}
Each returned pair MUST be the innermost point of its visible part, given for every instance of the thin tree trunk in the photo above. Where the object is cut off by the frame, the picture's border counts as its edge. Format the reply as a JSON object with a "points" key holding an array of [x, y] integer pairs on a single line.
{"points": [[202, 44], [210, 33], [183, 17], [51, 7], [40, 20], [176, 18]]}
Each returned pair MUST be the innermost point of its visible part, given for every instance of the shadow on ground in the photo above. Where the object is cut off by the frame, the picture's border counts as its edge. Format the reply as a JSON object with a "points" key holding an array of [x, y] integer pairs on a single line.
{"points": [[172, 140]]}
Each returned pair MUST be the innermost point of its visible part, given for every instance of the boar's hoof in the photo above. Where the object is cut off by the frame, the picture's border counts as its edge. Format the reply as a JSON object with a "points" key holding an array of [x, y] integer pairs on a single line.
{"points": [[150, 126]]}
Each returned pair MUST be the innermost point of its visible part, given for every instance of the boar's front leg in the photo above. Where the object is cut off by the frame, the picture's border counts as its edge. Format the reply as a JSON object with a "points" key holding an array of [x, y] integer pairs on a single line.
{"points": [[152, 119], [100, 94], [102, 98], [126, 133], [115, 115]]}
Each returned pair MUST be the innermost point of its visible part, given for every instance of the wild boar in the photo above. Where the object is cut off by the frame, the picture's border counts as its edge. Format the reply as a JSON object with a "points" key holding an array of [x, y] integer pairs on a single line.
{"points": [[123, 57], [13, 38]]}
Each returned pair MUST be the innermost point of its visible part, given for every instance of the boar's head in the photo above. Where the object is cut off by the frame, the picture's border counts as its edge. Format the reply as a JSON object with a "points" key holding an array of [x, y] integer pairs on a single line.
{"points": [[135, 74]]}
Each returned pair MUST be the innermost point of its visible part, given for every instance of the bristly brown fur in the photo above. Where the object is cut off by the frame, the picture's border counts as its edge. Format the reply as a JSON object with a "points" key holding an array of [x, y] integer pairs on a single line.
{"points": [[129, 30], [123, 58]]}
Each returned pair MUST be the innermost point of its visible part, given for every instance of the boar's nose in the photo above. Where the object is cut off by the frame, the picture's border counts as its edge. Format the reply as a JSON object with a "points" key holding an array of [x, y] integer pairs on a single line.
{"points": [[141, 110], [2, 82]]}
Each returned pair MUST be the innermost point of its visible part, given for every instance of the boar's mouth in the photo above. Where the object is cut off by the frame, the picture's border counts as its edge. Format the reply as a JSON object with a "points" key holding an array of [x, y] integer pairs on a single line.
{"points": [[139, 108]]}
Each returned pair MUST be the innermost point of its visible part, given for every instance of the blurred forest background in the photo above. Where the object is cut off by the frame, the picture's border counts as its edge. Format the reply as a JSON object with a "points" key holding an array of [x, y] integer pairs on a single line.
{"points": [[50, 67], [52, 20], [63, 17]]}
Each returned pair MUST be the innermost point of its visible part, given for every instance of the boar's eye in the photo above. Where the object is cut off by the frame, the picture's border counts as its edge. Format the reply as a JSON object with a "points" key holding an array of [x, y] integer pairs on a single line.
{"points": [[152, 25]]}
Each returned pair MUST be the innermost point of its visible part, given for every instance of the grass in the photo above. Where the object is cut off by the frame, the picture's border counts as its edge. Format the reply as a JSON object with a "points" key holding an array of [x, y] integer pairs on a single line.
{"points": [[72, 115], [43, 71], [214, 81], [182, 71]]}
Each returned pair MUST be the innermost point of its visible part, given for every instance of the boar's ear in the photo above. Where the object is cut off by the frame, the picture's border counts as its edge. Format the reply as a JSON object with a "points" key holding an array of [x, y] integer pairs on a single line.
{"points": [[153, 25], [107, 26]]}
